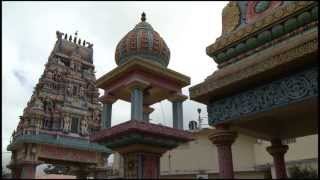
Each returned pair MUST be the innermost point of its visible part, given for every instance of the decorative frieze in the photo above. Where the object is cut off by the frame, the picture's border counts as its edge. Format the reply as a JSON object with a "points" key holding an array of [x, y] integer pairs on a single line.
{"points": [[278, 93], [212, 84]]}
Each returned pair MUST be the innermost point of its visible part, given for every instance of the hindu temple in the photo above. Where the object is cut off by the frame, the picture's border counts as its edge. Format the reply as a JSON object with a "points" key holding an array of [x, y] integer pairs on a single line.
{"points": [[266, 85], [142, 78], [61, 114]]}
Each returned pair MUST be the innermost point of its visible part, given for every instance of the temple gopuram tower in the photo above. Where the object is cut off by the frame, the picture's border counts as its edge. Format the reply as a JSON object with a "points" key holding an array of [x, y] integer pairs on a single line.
{"points": [[142, 78], [61, 114]]}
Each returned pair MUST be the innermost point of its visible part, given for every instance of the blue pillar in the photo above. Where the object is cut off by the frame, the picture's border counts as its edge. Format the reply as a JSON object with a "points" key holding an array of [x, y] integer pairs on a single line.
{"points": [[136, 104], [177, 114], [106, 115]]}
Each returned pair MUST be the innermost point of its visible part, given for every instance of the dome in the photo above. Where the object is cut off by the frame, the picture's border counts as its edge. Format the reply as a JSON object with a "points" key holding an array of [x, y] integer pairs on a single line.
{"points": [[142, 42]]}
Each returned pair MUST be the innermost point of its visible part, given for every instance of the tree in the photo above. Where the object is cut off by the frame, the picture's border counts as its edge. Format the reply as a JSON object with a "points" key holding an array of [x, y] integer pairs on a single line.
{"points": [[298, 172]]}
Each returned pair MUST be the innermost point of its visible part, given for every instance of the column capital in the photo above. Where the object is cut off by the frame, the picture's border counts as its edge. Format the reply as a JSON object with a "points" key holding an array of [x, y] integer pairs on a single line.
{"points": [[176, 97], [223, 137], [277, 148], [107, 99], [137, 83], [147, 109]]}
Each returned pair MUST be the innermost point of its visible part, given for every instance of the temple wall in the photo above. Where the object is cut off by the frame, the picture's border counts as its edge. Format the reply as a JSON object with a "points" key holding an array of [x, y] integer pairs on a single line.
{"points": [[304, 148]]}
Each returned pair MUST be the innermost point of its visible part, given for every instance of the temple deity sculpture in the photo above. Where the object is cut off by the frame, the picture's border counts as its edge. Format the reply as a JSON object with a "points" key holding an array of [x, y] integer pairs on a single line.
{"points": [[59, 34], [69, 90], [49, 74], [67, 123], [81, 91], [38, 103], [84, 126]]}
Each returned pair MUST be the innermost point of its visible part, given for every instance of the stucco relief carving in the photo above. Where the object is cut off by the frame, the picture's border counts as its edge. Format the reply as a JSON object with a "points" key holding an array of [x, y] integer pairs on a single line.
{"points": [[67, 123], [279, 92], [281, 58]]}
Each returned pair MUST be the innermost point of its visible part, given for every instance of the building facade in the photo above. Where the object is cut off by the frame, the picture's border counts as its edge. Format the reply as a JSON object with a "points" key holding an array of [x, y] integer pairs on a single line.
{"points": [[198, 158]]}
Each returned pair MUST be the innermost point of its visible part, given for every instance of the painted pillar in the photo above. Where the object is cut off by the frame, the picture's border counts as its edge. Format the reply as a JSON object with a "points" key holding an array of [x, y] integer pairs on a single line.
{"points": [[223, 138], [142, 165], [28, 170], [100, 173], [277, 151], [177, 114], [106, 115], [16, 172], [136, 104], [146, 112], [177, 110], [82, 174]]}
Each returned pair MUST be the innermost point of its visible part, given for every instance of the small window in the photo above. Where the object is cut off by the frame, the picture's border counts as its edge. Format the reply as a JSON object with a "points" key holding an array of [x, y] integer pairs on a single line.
{"points": [[74, 125]]}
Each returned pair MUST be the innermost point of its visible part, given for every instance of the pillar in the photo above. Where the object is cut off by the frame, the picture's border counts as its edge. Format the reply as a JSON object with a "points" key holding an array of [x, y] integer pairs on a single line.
{"points": [[136, 104], [277, 151], [100, 173], [146, 112], [223, 138], [142, 165], [177, 110], [15, 171], [107, 101], [28, 169], [81, 174]]}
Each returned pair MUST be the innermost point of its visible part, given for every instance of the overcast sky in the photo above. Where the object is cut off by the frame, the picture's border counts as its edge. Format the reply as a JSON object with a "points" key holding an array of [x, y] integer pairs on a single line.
{"points": [[28, 32]]}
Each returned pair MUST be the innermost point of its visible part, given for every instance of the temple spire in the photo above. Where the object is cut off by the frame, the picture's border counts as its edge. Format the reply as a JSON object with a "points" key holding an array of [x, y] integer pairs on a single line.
{"points": [[143, 17]]}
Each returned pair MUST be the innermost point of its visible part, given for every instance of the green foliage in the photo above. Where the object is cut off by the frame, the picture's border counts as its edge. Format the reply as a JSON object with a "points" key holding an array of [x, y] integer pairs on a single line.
{"points": [[297, 172]]}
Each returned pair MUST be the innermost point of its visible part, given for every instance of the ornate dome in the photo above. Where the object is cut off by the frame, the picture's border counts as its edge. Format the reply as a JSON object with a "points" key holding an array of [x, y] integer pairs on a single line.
{"points": [[142, 42]]}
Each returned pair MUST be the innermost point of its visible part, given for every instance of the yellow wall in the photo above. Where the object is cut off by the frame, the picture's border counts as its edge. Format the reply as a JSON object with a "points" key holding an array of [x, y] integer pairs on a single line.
{"points": [[201, 154], [304, 148]]}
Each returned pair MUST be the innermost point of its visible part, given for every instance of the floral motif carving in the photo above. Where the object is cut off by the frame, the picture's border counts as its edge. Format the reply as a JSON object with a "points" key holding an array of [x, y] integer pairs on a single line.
{"points": [[280, 92]]}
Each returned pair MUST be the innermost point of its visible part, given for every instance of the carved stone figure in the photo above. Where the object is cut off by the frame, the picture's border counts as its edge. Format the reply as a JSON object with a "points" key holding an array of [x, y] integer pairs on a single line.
{"points": [[84, 126], [59, 35], [49, 75], [60, 62], [48, 104], [67, 123], [81, 92], [69, 90], [38, 103]]}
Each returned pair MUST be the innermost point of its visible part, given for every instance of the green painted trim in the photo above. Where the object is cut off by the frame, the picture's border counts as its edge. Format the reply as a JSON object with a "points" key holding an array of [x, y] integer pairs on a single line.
{"points": [[61, 141], [275, 31], [139, 138]]}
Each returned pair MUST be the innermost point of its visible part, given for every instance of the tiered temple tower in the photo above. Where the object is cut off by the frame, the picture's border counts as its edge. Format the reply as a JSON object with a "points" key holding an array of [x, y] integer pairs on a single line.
{"points": [[60, 115], [142, 78]]}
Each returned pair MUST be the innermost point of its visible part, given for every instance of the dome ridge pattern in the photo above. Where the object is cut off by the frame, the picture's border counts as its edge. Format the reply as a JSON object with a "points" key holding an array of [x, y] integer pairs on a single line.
{"points": [[142, 41]]}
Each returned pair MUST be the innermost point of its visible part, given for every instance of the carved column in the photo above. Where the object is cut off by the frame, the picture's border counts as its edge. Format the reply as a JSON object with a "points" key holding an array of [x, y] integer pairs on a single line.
{"points": [[146, 112], [136, 87], [136, 104], [277, 151], [100, 173], [28, 169], [177, 109], [223, 139], [107, 101], [82, 173], [15, 169]]}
